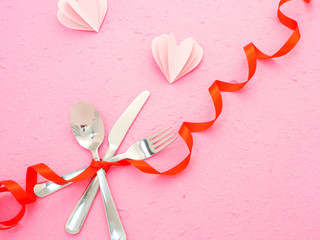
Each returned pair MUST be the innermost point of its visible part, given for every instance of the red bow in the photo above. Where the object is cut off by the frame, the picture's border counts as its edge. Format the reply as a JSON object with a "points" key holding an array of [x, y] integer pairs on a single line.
{"points": [[252, 54]]}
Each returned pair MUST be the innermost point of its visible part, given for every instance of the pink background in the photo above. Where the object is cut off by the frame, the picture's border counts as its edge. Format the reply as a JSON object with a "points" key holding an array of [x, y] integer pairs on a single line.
{"points": [[254, 175]]}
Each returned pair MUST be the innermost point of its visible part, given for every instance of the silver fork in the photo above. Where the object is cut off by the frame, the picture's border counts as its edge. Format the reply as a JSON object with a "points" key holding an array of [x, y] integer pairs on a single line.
{"points": [[140, 150], [147, 147]]}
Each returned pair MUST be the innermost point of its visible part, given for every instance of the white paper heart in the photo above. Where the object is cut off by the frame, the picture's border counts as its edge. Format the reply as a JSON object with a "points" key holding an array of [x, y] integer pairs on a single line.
{"points": [[175, 60], [82, 14]]}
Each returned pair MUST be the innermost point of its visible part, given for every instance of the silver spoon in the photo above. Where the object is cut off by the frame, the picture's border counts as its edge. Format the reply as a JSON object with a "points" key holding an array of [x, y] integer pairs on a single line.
{"points": [[88, 129]]}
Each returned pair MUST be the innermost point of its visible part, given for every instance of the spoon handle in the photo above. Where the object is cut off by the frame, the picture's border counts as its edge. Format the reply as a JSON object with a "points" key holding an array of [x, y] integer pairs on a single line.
{"points": [[116, 229], [82, 208]]}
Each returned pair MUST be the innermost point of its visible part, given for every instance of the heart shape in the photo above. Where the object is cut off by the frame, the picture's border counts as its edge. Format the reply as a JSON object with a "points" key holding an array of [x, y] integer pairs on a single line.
{"points": [[175, 61], [82, 14]]}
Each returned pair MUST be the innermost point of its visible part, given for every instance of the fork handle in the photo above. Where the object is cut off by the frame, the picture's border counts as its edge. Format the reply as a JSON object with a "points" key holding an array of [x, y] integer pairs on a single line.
{"points": [[46, 188], [118, 157]]}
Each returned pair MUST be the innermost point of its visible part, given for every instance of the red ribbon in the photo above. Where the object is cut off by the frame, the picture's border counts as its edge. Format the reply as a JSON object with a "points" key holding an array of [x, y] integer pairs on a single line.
{"points": [[27, 196]]}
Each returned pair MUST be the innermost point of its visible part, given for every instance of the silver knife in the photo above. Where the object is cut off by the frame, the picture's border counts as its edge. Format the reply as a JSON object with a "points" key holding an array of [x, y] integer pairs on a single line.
{"points": [[46, 188], [116, 135]]}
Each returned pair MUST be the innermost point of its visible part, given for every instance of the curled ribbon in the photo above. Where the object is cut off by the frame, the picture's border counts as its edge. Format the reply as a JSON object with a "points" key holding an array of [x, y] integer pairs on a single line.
{"points": [[27, 196]]}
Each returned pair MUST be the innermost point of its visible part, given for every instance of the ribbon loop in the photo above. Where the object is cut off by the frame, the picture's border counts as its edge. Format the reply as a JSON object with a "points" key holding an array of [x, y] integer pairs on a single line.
{"points": [[101, 164], [186, 129]]}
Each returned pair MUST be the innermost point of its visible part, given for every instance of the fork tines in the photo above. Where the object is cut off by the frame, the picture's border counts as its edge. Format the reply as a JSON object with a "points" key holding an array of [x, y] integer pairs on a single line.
{"points": [[162, 139]]}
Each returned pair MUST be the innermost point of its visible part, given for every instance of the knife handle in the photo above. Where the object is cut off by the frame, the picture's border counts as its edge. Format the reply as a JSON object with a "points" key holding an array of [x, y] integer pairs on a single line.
{"points": [[79, 213]]}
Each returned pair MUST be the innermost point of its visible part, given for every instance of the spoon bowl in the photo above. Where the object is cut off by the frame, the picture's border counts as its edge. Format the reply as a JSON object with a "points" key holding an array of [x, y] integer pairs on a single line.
{"points": [[87, 126]]}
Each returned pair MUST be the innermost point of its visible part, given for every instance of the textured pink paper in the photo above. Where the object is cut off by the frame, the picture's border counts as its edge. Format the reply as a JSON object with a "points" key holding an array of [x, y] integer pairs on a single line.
{"points": [[254, 175]]}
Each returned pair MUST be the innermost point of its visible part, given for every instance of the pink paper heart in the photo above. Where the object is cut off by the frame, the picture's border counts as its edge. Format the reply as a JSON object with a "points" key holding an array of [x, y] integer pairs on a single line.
{"points": [[175, 60], [82, 14]]}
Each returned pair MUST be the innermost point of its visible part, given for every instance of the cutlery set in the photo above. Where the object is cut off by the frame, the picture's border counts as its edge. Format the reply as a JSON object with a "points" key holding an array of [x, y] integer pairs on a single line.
{"points": [[88, 129]]}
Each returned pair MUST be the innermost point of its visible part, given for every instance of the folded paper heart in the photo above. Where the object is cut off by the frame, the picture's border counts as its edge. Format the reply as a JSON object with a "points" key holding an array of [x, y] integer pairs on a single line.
{"points": [[174, 60], [82, 14], [253, 54]]}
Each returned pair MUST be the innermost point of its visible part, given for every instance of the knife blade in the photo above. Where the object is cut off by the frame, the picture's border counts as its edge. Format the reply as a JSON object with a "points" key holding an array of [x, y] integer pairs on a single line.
{"points": [[122, 125], [115, 137]]}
